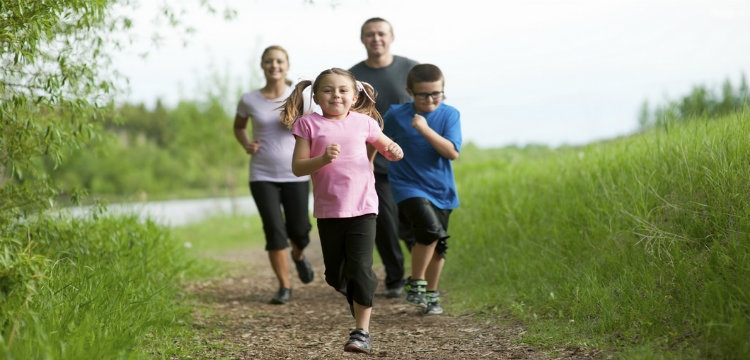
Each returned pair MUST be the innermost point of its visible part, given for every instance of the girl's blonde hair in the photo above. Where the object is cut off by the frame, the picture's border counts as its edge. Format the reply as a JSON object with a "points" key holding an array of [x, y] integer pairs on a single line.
{"points": [[294, 105]]}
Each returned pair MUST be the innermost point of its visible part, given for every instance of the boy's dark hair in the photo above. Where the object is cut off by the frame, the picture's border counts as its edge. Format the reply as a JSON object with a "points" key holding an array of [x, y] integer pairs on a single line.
{"points": [[423, 73]]}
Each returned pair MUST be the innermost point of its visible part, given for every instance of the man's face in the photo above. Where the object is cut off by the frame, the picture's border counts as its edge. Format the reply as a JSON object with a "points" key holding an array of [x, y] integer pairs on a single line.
{"points": [[377, 38]]}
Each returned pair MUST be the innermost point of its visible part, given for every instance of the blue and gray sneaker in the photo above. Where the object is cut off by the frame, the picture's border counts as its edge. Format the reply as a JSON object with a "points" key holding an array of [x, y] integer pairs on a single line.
{"points": [[415, 292], [433, 303]]}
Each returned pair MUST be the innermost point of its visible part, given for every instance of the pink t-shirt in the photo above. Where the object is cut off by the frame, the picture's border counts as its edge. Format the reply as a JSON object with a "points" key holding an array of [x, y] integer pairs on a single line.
{"points": [[346, 187]]}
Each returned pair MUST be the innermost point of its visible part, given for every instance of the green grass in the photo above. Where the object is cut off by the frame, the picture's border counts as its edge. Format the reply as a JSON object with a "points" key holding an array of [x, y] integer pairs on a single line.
{"points": [[221, 233], [105, 288], [637, 246]]}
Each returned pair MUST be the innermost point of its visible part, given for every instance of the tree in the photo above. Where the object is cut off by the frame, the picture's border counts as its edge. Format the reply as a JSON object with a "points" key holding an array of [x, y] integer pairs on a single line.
{"points": [[702, 102], [742, 93], [51, 93], [56, 88], [644, 116]]}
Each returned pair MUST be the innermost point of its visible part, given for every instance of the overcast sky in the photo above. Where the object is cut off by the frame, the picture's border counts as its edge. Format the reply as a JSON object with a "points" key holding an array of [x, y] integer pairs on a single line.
{"points": [[520, 72]]}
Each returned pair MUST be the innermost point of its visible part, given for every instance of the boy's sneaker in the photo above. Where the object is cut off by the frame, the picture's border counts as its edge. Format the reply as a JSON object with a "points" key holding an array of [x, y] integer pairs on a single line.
{"points": [[359, 342], [433, 303], [415, 292]]}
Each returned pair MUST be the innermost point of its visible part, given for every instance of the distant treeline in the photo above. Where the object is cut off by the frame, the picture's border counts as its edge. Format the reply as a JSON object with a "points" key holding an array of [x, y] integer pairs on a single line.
{"points": [[156, 153], [702, 102], [190, 150]]}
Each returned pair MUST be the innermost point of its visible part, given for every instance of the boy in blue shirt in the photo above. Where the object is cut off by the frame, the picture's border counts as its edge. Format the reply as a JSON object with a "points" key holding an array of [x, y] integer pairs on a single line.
{"points": [[422, 183]]}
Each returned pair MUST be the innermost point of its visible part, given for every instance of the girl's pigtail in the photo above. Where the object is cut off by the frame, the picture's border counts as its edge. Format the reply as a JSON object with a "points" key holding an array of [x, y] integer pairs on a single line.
{"points": [[294, 105], [366, 102]]}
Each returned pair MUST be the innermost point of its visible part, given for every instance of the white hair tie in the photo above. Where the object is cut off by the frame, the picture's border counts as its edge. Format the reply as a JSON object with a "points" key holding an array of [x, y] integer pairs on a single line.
{"points": [[361, 87]]}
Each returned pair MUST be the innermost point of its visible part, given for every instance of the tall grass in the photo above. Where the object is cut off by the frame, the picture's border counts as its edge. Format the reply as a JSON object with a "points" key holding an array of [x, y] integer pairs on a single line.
{"points": [[636, 245], [107, 288]]}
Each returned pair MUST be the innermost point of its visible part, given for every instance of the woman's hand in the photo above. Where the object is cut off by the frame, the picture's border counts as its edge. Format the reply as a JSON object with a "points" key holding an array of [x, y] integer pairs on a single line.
{"points": [[252, 147]]}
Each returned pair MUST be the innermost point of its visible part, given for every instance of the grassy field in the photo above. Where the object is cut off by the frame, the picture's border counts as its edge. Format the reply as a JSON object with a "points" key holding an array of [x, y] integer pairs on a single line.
{"points": [[638, 246]]}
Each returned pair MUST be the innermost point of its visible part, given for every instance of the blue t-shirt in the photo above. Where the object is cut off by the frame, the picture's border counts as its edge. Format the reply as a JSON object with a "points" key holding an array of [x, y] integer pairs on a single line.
{"points": [[423, 172]]}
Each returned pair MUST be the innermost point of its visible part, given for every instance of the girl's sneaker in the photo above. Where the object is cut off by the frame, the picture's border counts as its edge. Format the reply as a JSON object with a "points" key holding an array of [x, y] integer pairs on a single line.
{"points": [[359, 342], [433, 303]]}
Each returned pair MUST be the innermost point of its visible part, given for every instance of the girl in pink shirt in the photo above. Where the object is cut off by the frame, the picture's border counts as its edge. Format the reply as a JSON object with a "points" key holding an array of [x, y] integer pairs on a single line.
{"points": [[336, 149]]}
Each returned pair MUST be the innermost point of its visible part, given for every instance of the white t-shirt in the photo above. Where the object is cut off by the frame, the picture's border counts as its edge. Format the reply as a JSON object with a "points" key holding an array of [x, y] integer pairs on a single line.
{"points": [[273, 161]]}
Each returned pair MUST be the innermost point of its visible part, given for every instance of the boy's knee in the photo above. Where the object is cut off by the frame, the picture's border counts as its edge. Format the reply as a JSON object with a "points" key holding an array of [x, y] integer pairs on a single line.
{"points": [[441, 248]]}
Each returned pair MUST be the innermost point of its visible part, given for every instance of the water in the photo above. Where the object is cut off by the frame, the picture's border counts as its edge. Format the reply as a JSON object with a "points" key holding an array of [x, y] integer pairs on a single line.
{"points": [[179, 212]]}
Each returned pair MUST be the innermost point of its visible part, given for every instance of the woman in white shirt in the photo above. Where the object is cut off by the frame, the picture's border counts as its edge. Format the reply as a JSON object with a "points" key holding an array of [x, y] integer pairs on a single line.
{"points": [[272, 184]]}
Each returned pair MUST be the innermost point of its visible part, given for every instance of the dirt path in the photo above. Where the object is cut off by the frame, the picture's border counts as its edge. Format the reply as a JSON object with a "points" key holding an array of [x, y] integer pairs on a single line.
{"points": [[315, 324]]}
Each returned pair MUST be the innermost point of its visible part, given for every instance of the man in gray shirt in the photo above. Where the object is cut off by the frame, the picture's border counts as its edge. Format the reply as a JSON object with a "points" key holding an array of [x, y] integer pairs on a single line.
{"points": [[387, 74]]}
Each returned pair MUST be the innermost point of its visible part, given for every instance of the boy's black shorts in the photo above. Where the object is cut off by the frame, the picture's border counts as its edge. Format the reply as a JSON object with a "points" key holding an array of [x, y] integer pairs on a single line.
{"points": [[424, 223]]}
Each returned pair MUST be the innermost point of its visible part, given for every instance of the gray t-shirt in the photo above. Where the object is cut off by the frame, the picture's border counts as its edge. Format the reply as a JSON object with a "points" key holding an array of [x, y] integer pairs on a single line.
{"points": [[390, 85], [273, 161]]}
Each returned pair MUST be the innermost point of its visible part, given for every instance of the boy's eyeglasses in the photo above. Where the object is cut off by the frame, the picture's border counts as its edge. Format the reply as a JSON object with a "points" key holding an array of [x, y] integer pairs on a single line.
{"points": [[436, 96]]}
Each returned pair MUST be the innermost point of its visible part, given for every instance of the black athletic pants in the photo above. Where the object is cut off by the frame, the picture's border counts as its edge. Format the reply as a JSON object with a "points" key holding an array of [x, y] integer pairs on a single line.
{"points": [[386, 234]]}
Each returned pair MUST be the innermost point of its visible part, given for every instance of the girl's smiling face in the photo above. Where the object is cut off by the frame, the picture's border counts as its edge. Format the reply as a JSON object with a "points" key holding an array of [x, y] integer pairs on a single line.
{"points": [[335, 95]]}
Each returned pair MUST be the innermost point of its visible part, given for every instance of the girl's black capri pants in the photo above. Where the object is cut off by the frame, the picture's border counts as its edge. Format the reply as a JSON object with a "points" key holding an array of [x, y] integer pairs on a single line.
{"points": [[347, 245], [424, 223]]}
